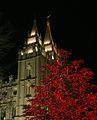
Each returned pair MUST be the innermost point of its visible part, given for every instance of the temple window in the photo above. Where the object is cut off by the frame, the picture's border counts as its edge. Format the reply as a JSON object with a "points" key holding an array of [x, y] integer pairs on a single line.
{"points": [[36, 48], [30, 50], [52, 57], [31, 40], [22, 53], [29, 69], [46, 42], [3, 115], [48, 48]]}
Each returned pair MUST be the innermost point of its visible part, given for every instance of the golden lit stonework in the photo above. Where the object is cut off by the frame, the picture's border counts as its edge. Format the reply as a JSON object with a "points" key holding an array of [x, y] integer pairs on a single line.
{"points": [[31, 40], [48, 48], [15, 93]]}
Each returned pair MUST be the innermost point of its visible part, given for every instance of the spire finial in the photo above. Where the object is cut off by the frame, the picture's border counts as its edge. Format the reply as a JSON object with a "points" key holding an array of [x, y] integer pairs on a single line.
{"points": [[34, 28], [48, 19]]}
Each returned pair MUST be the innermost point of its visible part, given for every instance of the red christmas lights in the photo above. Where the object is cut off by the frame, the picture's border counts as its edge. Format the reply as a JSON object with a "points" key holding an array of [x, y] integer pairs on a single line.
{"points": [[65, 92]]}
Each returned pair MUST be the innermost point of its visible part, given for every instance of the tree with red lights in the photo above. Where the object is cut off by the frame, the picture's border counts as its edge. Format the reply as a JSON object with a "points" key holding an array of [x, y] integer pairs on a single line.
{"points": [[65, 92]]}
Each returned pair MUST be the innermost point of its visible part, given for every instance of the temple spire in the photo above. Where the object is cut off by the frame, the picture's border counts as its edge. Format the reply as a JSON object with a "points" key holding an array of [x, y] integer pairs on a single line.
{"points": [[48, 21], [34, 29], [32, 36], [48, 36]]}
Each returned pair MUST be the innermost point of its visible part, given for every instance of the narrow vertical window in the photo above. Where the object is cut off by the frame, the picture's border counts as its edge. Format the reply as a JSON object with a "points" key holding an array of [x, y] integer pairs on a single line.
{"points": [[29, 69]]}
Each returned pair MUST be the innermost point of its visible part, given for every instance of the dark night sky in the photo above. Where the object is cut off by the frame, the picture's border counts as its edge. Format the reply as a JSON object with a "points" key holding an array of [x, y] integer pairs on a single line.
{"points": [[73, 25]]}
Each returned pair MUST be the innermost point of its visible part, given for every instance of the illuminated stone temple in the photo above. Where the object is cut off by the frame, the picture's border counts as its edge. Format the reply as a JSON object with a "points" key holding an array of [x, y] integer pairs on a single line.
{"points": [[15, 93]]}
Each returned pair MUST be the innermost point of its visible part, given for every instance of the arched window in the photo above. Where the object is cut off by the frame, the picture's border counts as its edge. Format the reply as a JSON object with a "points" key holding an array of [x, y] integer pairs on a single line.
{"points": [[3, 115], [13, 112], [28, 90], [29, 69]]}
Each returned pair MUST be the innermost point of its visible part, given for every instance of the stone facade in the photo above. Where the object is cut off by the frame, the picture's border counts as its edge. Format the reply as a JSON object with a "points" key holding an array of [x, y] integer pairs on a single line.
{"points": [[15, 93]]}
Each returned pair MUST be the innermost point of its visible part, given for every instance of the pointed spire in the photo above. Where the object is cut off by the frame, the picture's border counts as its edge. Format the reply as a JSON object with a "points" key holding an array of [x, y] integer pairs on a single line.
{"points": [[48, 36], [34, 28], [32, 35]]}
